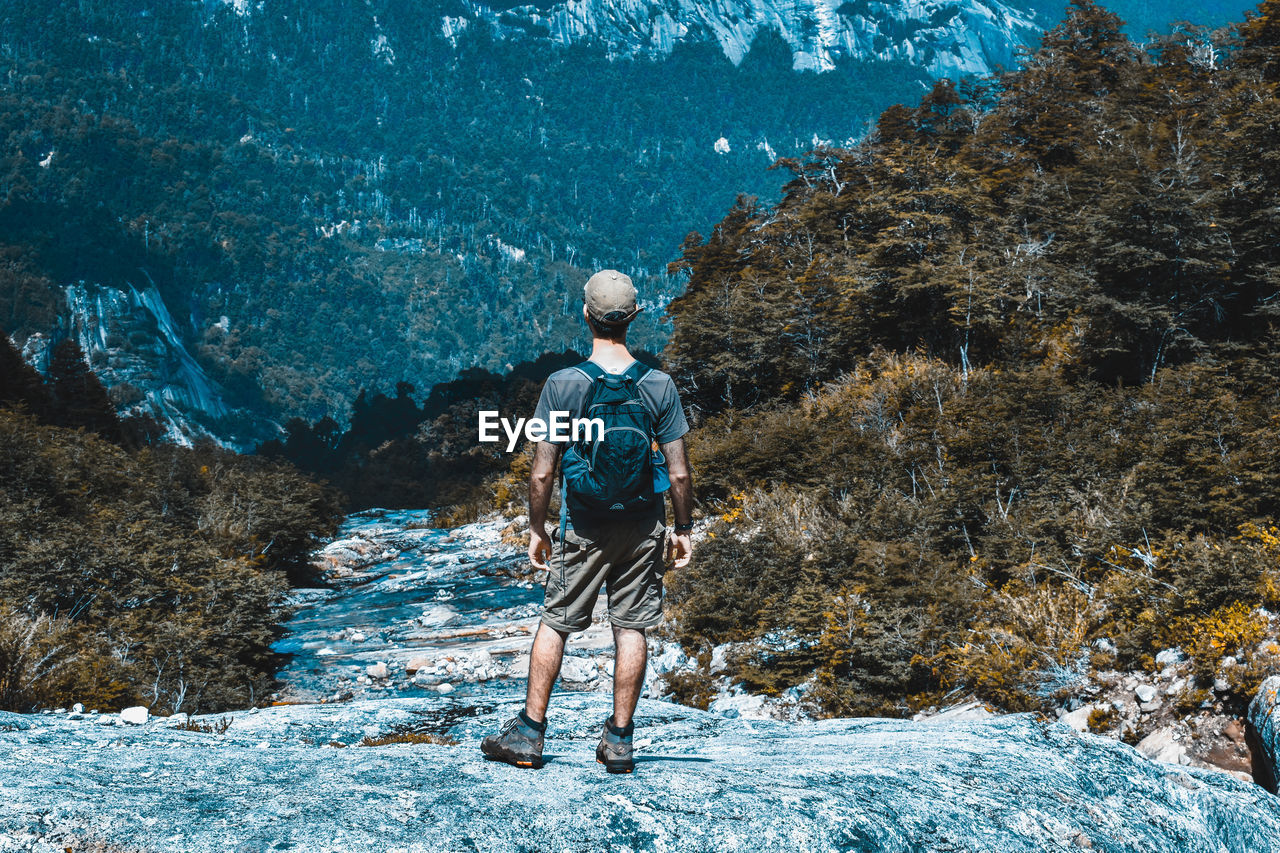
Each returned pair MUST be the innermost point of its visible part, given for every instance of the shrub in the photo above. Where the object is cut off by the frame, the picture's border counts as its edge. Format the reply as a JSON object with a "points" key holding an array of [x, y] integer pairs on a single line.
{"points": [[36, 654], [167, 568]]}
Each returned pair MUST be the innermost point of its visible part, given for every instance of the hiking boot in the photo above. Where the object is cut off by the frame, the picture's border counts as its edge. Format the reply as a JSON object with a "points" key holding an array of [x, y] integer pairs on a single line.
{"points": [[516, 743], [614, 751]]}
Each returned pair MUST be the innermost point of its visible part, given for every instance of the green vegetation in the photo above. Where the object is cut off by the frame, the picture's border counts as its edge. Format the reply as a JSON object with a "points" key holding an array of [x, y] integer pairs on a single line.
{"points": [[138, 574], [355, 219], [999, 384]]}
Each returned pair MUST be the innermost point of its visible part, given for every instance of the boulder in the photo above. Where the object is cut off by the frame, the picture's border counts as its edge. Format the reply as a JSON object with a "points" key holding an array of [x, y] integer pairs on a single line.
{"points": [[377, 670], [135, 716], [418, 663], [1264, 717]]}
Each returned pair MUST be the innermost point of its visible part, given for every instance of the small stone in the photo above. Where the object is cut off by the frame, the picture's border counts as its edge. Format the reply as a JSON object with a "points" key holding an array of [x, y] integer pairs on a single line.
{"points": [[577, 669], [78, 708], [1162, 745], [444, 688], [377, 670], [1168, 657], [1078, 719], [135, 716], [417, 664], [1145, 692]]}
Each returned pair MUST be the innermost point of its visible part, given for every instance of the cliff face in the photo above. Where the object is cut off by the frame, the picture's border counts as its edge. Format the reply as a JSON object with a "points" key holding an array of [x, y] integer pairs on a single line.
{"points": [[945, 37], [279, 778], [137, 350]]}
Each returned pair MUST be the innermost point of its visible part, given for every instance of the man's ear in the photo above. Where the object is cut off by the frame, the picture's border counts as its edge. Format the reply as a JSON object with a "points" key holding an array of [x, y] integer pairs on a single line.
{"points": [[585, 316]]}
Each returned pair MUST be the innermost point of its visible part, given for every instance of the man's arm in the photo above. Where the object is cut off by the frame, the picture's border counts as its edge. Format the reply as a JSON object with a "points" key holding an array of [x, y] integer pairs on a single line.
{"points": [[680, 545], [542, 478]]}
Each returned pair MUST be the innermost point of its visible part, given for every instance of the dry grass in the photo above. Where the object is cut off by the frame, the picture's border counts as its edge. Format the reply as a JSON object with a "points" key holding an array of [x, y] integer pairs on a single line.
{"points": [[218, 728], [409, 737]]}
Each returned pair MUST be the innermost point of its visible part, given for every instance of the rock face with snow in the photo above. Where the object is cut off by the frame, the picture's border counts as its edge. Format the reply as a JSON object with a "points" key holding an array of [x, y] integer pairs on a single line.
{"points": [[945, 37], [277, 778], [1264, 716], [135, 348]]}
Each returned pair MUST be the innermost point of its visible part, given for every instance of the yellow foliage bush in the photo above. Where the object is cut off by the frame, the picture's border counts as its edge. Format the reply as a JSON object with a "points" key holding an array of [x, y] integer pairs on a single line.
{"points": [[1266, 540], [1023, 642], [1237, 631]]}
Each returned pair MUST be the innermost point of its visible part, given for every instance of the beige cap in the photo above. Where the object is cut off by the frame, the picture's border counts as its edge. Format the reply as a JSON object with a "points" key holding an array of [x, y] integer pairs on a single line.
{"points": [[610, 297]]}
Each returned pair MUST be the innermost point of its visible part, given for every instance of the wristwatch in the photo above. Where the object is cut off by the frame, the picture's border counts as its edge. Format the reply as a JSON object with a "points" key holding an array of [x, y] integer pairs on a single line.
{"points": [[683, 528]]}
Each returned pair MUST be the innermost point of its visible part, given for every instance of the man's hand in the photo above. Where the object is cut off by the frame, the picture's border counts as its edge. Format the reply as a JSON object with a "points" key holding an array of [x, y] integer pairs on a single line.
{"points": [[539, 547], [680, 549]]}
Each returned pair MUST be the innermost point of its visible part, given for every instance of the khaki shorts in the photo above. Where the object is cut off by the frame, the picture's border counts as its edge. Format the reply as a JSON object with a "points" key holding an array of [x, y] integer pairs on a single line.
{"points": [[626, 557]]}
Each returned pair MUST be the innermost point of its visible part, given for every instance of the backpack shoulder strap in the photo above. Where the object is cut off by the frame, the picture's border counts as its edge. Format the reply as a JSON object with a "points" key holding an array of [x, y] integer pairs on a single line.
{"points": [[637, 371], [590, 369]]}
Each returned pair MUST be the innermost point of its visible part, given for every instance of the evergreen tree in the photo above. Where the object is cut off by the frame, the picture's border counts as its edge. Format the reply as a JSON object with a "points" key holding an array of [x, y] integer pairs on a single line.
{"points": [[79, 400], [20, 383]]}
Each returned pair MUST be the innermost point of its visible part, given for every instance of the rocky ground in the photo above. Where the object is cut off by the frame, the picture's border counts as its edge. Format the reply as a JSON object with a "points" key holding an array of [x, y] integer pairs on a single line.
{"points": [[405, 774]]}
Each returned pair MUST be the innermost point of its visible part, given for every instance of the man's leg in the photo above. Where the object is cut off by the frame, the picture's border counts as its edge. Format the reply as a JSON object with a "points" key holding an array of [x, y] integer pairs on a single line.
{"points": [[631, 655], [544, 667]]}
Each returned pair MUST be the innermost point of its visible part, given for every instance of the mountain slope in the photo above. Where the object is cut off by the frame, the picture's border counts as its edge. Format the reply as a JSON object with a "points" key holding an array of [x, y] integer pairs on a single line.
{"points": [[328, 196]]}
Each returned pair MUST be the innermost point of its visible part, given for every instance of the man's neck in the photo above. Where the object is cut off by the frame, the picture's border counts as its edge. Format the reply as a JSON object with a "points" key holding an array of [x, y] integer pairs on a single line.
{"points": [[612, 356]]}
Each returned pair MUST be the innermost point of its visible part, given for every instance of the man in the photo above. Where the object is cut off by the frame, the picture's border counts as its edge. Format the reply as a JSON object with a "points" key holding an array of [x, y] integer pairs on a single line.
{"points": [[624, 551]]}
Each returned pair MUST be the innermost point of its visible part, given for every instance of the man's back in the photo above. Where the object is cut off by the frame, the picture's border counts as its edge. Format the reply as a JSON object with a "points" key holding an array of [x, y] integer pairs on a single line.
{"points": [[625, 555]]}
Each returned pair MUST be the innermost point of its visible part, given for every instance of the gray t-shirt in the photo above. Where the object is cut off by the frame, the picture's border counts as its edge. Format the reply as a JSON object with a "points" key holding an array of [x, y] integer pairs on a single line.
{"points": [[566, 391]]}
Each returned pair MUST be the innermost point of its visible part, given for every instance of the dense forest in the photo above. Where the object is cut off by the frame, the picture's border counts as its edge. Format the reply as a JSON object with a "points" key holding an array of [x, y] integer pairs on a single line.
{"points": [[321, 216], [133, 571], [987, 403]]}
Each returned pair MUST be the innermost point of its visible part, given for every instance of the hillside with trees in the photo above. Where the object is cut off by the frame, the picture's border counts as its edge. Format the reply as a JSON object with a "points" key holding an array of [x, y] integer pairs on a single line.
{"points": [[322, 217], [987, 403], [135, 572]]}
